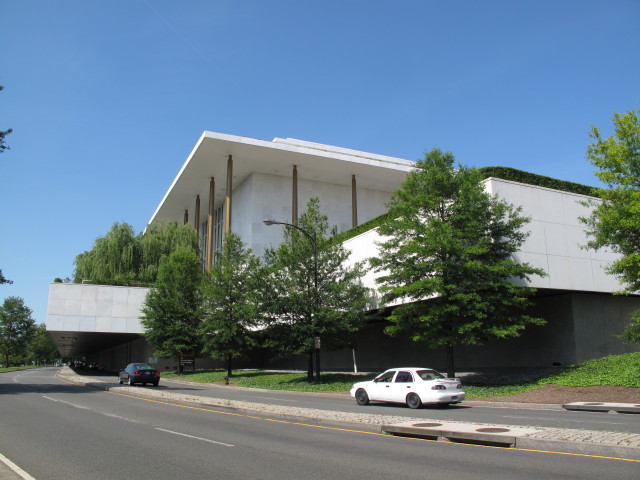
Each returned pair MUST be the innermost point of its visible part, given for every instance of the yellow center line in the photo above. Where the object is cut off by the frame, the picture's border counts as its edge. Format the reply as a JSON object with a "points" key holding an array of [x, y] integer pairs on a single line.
{"points": [[348, 430]]}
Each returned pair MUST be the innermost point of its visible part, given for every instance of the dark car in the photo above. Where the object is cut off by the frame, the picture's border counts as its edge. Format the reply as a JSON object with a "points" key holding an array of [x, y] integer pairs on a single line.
{"points": [[94, 366], [139, 373]]}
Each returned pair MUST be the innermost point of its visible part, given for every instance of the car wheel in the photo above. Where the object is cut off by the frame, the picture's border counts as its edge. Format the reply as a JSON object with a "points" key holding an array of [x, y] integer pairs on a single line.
{"points": [[413, 400], [361, 397], [131, 381], [120, 381], [156, 384]]}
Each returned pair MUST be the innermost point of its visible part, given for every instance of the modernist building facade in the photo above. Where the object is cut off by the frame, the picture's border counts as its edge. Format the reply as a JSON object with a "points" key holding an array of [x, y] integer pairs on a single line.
{"points": [[234, 183]]}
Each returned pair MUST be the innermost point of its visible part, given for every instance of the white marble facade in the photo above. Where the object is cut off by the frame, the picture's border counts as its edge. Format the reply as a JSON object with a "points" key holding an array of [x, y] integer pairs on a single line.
{"points": [[95, 308]]}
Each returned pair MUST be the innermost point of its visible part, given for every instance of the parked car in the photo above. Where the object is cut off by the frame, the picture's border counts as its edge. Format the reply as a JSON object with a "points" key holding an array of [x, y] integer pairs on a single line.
{"points": [[139, 373], [94, 366], [411, 385]]}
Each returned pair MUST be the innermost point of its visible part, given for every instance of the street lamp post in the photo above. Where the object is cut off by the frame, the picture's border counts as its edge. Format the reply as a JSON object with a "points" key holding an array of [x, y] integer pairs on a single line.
{"points": [[314, 243]]}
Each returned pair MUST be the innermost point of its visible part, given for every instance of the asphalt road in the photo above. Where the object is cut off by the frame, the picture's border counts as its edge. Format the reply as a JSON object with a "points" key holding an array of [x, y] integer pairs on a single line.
{"points": [[54, 430], [465, 412]]}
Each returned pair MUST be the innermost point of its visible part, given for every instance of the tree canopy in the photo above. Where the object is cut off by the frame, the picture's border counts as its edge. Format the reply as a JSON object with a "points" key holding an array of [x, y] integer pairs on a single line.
{"points": [[3, 134], [446, 256], [172, 312], [3, 279], [123, 258], [231, 302], [41, 349], [17, 327], [298, 310], [615, 220]]}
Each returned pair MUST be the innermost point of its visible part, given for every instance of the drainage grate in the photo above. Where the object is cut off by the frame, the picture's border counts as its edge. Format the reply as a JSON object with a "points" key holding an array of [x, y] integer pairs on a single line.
{"points": [[593, 404], [492, 430], [427, 424]]}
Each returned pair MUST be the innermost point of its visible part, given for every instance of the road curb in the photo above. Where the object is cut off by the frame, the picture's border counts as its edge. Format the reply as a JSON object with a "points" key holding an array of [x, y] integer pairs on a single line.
{"points": [[534, 438], [603, 407]]}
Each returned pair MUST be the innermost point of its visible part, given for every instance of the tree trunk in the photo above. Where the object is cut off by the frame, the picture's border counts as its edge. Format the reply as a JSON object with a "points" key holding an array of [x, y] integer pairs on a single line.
{"points": [[451, 367], [310, 367]]}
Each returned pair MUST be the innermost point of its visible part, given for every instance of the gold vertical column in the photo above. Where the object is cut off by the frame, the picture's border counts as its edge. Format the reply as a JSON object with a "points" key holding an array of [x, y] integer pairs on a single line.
{"points": [[227, 198], [354, 203], [186, 217], [196, 220], [294, 196], [212, 190]]}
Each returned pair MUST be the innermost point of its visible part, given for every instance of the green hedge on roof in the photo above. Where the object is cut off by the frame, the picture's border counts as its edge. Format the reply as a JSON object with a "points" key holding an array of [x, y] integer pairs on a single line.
{"points": [[507, 173], [504, 173]]}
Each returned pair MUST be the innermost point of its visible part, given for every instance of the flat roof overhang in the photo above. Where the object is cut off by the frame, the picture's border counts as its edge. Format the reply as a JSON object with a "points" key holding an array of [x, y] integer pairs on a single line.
{"points": [[316, 162]]}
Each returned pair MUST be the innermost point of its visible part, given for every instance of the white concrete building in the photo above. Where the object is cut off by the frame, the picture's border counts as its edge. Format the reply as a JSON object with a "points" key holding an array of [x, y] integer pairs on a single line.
{"points": [[231, 182]]}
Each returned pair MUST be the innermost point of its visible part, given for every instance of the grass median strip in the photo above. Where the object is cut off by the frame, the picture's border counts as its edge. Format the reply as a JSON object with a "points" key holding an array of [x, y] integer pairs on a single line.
{"points": [[615, 370]]}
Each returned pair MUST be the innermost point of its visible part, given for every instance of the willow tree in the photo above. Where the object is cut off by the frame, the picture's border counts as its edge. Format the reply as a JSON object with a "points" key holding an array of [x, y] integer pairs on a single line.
{"points": [[112, 259], [447, 257], [123, 258], [157, 242]]}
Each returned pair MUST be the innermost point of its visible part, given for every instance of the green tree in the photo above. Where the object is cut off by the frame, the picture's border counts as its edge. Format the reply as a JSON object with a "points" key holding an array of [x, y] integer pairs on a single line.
{"points": [[123, 258], [3, 279], [16, 328], [615, 220], [157, 242], [112, 259], [172, 311], [41, 349], [309, 296], [231, 302], [3, 134], [446, 256]]}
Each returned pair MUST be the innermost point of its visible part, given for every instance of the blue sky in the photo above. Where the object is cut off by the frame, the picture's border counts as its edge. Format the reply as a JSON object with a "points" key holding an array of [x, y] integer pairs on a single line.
{"points": [[107, 98]]}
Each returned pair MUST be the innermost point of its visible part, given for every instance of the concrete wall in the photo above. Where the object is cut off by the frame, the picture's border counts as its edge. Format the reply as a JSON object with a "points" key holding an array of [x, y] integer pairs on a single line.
{"points": [[94, 308], [555, 244], [557, 238]]}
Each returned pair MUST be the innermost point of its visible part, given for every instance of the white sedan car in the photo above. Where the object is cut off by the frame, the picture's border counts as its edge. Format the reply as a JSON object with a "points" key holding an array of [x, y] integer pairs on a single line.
{"points": [[413, 386]]}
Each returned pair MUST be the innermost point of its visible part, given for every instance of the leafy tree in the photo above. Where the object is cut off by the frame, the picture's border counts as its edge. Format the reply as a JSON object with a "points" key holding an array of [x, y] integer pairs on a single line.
{"points": [[446, 256], [172, 311], [298, 311], [3, 279], [123, 258], [3, 134], [16, 328], [615, 221], [157, 242], [230, 302], [41, 349], [113, 258]]}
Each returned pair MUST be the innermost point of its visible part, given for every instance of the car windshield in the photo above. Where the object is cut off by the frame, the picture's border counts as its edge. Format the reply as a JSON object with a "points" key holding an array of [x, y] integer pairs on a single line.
{"points": [[429, 374]]}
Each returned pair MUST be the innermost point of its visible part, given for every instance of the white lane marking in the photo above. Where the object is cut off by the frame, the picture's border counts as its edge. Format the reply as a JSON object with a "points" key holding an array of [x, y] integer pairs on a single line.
{"points": [[82, 407], [20, 472], [195, 438], [563, 419], [75, 405]]}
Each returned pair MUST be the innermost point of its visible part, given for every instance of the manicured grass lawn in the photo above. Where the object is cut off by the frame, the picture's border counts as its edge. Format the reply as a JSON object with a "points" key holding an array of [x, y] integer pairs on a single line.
{"points": [[617, 370]]}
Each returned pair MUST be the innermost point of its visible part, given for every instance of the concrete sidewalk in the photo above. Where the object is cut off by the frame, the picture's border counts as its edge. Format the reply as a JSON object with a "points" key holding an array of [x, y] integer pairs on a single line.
{"points": [[588, 442]]}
